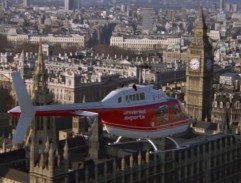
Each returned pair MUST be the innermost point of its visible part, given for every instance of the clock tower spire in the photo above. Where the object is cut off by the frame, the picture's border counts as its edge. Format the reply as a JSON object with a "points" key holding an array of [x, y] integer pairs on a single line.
{"points": [[199, 73]]}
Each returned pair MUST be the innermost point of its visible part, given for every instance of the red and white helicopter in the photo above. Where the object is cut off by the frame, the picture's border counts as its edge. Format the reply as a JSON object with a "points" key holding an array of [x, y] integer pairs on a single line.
{"points": [[137, 111]]}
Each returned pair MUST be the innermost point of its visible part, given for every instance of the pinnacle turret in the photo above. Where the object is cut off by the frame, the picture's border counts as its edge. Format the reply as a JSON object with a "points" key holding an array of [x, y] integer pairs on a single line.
{"points": [[66, 150], [40, 63], [41, 94]]}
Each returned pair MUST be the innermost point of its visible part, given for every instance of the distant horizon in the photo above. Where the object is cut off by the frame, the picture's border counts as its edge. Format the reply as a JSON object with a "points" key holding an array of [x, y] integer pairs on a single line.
{"points": [[141, 3]]}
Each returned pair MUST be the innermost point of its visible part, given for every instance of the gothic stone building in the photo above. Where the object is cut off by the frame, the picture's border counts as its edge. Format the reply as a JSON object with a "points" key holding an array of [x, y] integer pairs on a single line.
{"points": [[199, 74], [203, 159]]}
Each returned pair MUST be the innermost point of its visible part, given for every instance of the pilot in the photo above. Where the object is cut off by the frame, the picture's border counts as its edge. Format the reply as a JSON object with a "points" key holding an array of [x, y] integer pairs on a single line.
{"points": [[134, 87]]}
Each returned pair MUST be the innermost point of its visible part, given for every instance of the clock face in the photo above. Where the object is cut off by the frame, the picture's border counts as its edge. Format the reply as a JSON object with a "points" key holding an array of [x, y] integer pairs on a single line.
{"points": [[209, 64], [194, 64]]}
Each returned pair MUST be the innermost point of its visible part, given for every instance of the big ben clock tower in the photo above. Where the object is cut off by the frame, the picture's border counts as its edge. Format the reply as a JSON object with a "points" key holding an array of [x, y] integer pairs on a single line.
{"points": [[199, 74]]}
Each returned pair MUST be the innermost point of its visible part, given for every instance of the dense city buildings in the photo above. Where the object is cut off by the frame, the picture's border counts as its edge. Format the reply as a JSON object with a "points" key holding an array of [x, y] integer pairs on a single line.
{"points": [[192, 55]]}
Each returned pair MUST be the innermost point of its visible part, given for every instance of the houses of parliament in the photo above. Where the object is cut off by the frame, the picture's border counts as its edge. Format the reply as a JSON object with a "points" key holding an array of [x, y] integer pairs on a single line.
{"points": [[204, 158]]}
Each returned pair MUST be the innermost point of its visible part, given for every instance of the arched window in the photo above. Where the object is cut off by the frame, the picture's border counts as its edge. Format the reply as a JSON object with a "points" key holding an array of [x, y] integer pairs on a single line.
{"points": [[119, 100], [221, 104], [227, 105], [237, 105]]}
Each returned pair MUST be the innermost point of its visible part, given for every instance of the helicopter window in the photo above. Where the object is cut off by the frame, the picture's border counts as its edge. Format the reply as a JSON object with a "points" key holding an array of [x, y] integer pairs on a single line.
{"points": [[130, 97], [137, 96], [142, 96], [162, 114], [175, 111], [119, 100], [134, 97], [127, 99]]}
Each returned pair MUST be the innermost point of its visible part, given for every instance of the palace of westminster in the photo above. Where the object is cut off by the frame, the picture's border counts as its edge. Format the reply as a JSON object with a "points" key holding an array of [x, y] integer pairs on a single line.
{"points": [[210, 149]]}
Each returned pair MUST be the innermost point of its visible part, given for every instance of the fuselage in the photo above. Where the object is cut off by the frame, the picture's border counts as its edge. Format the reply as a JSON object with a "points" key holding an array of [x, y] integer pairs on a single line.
{"points": [[136, 112]]}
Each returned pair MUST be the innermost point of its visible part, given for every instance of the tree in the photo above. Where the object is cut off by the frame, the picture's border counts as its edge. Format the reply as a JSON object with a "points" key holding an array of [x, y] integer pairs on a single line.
{"points": [[67, 49], [91, 42], [112, 51], [4, 43], [27, 47], [6, 100]]}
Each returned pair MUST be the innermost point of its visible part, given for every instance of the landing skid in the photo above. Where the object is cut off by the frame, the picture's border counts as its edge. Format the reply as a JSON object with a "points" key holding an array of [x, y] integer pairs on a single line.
{"points": [[153, 145], [175, 142], [118, 140], [156, 150]]}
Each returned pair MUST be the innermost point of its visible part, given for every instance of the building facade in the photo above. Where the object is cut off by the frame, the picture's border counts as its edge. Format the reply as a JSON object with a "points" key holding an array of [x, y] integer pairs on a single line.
{"points": [[26, 3], [226, 103], [221, 5], [72, 4], [147, 19], [155, 43], [214, 161], [70, 40]]}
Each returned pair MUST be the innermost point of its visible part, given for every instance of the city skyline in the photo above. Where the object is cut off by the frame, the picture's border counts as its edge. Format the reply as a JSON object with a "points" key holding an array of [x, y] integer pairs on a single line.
{"points": [[105, 73]]}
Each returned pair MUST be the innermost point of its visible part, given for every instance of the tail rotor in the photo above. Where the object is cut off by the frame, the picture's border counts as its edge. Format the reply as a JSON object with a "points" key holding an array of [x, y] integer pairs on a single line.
{"points": [[27, 109]]}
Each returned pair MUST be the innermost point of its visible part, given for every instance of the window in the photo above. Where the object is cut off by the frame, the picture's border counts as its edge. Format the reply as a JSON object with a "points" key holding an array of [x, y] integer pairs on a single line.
{"points": [[212, 162], [119, 100], [201, 149], [195, 151], [142, 96], [212, 146], [130, 98], [194, 168], [218, 144], [175, 112], [48, 124], [127, 99], [134, 97], [221, 104], [217, 160], [137, 96], [162, 114], [200, 166]]}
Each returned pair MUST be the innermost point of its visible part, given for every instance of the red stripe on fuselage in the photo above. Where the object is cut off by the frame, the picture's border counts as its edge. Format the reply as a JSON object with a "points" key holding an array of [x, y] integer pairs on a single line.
{"points": [[133, 117]]}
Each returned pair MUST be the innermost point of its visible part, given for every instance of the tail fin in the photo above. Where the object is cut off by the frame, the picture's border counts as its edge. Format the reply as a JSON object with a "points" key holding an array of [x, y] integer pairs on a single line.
{"points": [[27, 109]]}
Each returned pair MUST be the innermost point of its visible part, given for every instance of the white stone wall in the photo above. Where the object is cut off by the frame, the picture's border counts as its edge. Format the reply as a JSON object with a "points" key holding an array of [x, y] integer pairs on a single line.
{"points": [[72, 39], [143, 43]]}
